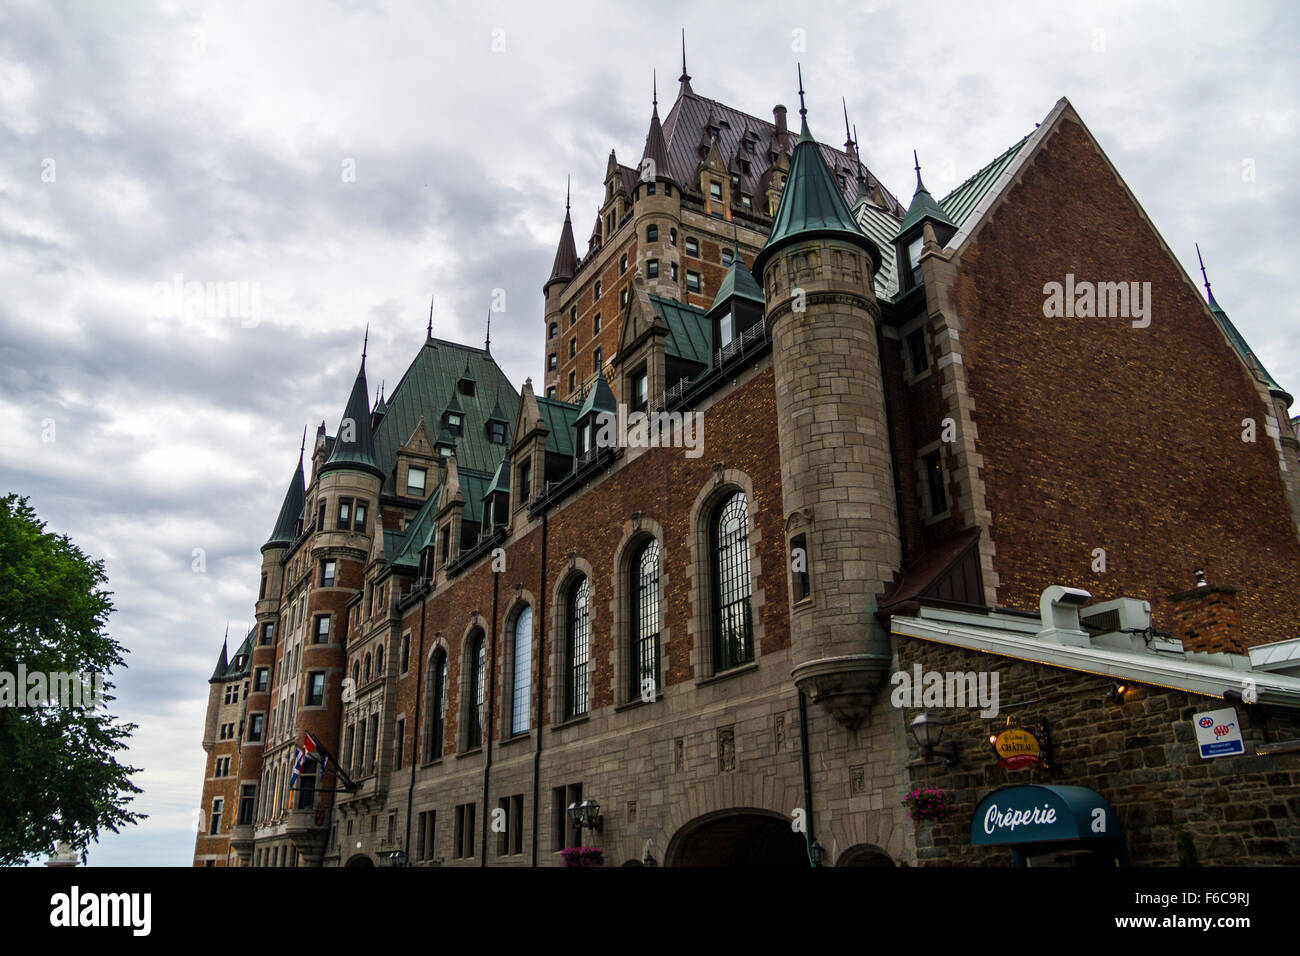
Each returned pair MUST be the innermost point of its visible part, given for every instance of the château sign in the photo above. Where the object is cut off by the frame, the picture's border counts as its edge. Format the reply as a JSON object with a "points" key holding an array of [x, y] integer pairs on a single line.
{"points": [[1016, 747]]}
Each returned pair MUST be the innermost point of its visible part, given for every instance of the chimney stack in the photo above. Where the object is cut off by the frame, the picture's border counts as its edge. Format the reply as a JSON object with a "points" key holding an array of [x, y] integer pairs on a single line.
{"points": [[1206, 618], [778, 115]]}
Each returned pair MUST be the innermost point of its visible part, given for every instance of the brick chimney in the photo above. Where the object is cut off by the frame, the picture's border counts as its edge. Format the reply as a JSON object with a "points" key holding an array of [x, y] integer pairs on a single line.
{"points": [[1206, 619], [778, 116]]}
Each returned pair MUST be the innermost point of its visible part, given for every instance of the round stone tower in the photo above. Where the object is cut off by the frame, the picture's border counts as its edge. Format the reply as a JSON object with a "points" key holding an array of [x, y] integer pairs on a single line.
{"points": [[837, 478]]}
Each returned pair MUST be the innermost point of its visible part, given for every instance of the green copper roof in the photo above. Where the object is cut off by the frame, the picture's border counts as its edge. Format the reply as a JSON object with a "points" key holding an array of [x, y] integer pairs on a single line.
{"points": [[881, 227], [688, 330], [738, 283], [811, 204], [1244, 350], [238, 665], [501, 479], [559, 418], [290, 510], [354, 443], [959, 203], [599, 399], [923, 207]]}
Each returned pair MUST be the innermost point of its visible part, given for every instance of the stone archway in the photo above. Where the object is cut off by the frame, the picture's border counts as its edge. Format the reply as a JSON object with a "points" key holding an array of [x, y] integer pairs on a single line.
{"points": [[360, 860], [864, 854], [738, 837]]}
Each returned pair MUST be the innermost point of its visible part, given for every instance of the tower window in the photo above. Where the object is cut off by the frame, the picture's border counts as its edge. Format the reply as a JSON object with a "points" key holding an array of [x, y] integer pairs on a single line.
{"points": [[692, 247], [672, 237], [315, 688], [345, 513], [692, 281], [799, 568], [652, 268], [674, 272], [327, 569], [554, 330], [552, 362], [359, 516], [651, 233]]}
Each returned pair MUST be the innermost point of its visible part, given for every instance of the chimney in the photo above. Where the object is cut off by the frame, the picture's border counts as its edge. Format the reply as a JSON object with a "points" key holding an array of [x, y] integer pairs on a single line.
{"points": [[1206, 619], [778, 115]]}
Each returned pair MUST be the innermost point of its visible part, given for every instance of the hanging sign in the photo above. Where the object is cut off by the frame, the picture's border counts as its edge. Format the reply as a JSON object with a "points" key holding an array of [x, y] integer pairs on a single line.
{"points": [[1016, 747], [1218, 733]]}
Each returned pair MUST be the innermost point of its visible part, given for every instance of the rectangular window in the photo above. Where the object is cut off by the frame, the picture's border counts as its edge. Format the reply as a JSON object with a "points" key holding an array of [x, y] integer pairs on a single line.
{"points": [[573, 347], [315, 688], [320, 516], [497, 433], [715, 189], [268, 634], [255, 728], [622, 298], [550, 392], [399, 744], [359, 516], [650, 188], [595, 362], [454, 423], [640, 391], [727, 257], [595, 321], [261, 678], [261, 591], [596, 293], [917, 352], [525, 481], [322, 633], [725, 331], [799, 567], [572, 383], [552, 362], [692, 281], [424, 835], [406, 652], [327, 569], [935, 477], [565, 833], [652, 268], [692, 247], [247, 801], [345, 513], [464, 831], [215, 827], [622, 264], [415, 481], [674, 265]]}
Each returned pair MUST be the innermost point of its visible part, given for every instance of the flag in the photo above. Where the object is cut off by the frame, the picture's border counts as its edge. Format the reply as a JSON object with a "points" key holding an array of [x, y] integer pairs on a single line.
{"points": [[306, 750]]}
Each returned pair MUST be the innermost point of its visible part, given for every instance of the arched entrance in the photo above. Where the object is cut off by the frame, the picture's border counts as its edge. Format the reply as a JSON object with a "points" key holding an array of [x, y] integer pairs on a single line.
{"points": [[864, 854], [360, 860], [739, 837]]}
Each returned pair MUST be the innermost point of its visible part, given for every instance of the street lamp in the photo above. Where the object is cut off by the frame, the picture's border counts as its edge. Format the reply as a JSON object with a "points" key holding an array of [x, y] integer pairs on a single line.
{"points": [[927, 731], [586, 814]]}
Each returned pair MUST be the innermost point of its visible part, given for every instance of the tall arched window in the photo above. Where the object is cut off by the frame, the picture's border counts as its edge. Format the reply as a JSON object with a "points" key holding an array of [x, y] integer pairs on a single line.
{"points": [[644, 586], [733, 631], [521, 693], [477, 673], [577, 647], [379, 661], [437, 704]]}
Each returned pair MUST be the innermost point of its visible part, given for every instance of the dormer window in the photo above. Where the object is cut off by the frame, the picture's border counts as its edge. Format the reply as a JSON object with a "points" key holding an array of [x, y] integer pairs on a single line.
{"points": [[640, 391], [466, 387], [444, 451], [715, 190], [914, 249], [453, 421], [725, 330], [497, 433]]}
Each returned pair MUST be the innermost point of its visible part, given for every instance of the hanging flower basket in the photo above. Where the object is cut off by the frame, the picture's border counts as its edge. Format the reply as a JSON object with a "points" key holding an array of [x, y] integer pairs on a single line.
{"points": [[929, 804], [583, 856]]}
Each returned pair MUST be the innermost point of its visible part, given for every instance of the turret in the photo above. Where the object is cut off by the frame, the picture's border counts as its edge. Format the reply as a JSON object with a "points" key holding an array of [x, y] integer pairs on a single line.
{"points": [[909, 244], [837, 478]]}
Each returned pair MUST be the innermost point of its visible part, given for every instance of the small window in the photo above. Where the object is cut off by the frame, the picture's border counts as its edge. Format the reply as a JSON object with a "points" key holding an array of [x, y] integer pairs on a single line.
{"points": [[261, 591], [446, 542], [327, 569], [572, 383], [725, 331], [315, 688], [525, 480], [406, 652], [650, 188], [261, 678], [552, 362], [268, 634], [466, 387], [595, 295], [674, 272], [715, 189], [415, 481], [652, 268], [400, 742], [359, 516], [640, 391], [727, 256], [622, 264], [454, 422], [799, 568], [668, 189], [217, 804], [497, 433], [672, 237], [692, 281], [595, 320], [550, 392], [555, 330], [595, 362], [935, 478], [692, 247], [320, 516], [255, 728], [573, 347], [746, 201], [651, 233], [622, 298], [322, 633], [917, 351], [573, 315]]}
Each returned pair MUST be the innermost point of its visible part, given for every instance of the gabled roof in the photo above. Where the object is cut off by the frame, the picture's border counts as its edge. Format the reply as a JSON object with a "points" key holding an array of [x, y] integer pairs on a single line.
{"points": [[688, 330], [923, 207], [1244, 351], [599, 398], [738, 283], [429, 387], [959, 203], [559, 418], [500, 479]]}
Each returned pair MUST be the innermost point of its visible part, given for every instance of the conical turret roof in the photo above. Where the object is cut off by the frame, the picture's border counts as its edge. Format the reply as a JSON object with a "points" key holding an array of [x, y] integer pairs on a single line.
{"points": [[286, 525], [923, 207], [354, 443], [566, 255]]}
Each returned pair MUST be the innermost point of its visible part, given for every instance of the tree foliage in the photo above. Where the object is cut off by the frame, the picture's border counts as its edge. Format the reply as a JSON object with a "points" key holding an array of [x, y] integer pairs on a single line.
{"points": [[60, 781]]}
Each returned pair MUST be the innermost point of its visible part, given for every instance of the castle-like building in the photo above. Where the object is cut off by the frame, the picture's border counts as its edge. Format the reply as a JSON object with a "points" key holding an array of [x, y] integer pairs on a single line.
{"points": [[515, 638]]}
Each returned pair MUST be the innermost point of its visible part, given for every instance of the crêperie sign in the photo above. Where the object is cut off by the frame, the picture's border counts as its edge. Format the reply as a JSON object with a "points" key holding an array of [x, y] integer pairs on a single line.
{"points": [[1040, 813]]}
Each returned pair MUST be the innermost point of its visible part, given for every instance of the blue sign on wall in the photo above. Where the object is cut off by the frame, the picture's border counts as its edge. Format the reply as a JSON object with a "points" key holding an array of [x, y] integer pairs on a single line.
{"points": [[1038, 813]]}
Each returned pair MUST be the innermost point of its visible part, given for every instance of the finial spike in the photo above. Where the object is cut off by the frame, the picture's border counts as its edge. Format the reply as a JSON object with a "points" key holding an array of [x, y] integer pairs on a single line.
{"points": [[1204, 277], [735, 243], [487, 342], [568, 182], [917, 163], [847, 134], [431, 298], [654, 84], [303, 449], [365, 344], [803, 110], [685, 75]]}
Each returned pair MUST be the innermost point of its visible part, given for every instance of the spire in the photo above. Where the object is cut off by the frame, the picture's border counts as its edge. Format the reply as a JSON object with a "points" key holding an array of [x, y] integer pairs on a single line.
{"points": [[365, 343], [431, 298], [923, 206], [566, 255], [286, 524], [739, 282], [223, 662], [850, 144], [487, 339], [803, 110], [685, 78], [857, 158], [1205, 278], [656, 147], [354, 443], [811, 202]]}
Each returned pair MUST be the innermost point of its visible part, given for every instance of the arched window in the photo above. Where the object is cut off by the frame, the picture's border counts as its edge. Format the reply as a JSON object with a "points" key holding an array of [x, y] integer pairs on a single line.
{"points": [[577, 635], [477, 673], [379, 661], [356, 674], [643, 581], [436, 701], [365, 671], [733, 629], [521, 692]]}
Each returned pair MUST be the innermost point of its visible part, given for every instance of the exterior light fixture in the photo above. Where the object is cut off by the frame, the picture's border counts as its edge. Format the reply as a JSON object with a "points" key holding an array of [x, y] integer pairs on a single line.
{"points": [[396, 857], [927, 731], [586, 815], [1115, 694], [816, 854]]}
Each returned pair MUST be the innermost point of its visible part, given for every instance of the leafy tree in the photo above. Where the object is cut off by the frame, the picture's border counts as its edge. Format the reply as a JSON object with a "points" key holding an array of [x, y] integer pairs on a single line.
{"points": [[60, 781]]}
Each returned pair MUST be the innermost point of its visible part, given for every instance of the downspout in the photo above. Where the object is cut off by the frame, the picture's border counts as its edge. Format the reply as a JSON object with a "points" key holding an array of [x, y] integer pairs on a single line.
{"points": [[419, 697], [809, 839], [541, 688], [491, 699]]}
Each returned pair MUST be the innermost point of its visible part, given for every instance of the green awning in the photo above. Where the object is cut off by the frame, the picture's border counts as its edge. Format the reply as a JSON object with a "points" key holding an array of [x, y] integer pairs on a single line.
{"points": [[1042, 814]]}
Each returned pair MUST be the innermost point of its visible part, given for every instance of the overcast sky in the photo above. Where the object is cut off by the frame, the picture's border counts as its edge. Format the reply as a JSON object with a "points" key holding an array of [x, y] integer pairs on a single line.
{"points": [[349, 160]]}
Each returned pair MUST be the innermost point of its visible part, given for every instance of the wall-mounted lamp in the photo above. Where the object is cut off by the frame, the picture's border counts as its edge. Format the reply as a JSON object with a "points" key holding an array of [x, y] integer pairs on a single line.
{"points": [[927, 731], [816, 854], [587, 815], [1115, 693]]}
